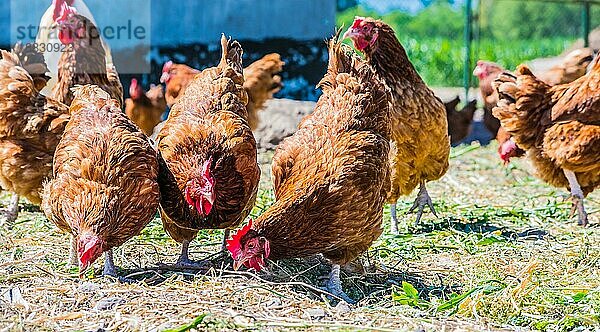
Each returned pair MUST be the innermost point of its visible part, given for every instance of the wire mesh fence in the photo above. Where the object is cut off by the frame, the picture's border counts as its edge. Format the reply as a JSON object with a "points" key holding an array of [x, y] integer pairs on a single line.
{"points": [[444, 38]]}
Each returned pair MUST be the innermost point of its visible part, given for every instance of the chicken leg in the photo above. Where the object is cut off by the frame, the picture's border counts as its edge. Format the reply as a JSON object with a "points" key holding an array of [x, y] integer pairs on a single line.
{"points": [[224, 244], [12, 211], [420, 202], [109, 265], [334, 284], [184, 260], [394, 218], [73, 252], [577, 197]]}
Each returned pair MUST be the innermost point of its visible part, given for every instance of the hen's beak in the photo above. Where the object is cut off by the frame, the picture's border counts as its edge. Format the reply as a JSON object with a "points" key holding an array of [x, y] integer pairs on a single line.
{"points": [[164, 77], [82, 269], [351, 32], [237, 264]]}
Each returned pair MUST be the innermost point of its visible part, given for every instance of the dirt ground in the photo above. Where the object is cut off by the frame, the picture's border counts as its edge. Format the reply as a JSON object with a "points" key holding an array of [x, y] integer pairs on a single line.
{"points": [[503, 255]]}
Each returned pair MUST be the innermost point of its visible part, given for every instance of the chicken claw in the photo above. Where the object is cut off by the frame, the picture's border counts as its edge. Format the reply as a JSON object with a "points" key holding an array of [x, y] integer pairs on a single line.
{"points": [[578, 207], [334, 284], [420, 202]]}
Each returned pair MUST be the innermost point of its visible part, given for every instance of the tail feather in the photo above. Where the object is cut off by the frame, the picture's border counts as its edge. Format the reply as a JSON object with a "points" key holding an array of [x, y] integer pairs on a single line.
{"points": [[16, 84], [231, 54], [24, 112], [343, 59], [522, 101]]}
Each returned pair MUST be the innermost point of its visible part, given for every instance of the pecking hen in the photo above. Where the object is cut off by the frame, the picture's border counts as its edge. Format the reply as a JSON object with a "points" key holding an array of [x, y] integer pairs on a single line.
{"points": [[420, 143], [209, 173], [572, 67], [104, 186], [330, 178], [261, 82], [145, 108], [558, 126]]}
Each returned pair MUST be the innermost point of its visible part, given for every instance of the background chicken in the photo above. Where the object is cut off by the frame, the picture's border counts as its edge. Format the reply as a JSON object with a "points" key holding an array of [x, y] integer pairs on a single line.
{"points": [[145, 108], [104, 188], [176, 77], [82, 63], [459, 122], [573, 66], [209, 177], [559, 126], [261, 82], [330, 178], [419, 127], [49, 36], [31, 126], [487, 72]]}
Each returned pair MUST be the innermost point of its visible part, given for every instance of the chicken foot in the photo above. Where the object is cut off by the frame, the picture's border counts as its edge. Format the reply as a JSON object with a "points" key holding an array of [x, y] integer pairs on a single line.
{"points": [[577, 198], [420, 202], [334, 284], [12, 211]]}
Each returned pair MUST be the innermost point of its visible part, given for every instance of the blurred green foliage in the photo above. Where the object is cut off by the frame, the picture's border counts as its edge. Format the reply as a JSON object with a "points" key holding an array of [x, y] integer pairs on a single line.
{"points": [[507, 32]]}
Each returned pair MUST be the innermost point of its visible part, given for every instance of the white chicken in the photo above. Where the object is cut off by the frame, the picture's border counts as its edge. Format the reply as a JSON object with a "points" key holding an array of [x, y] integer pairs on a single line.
{"points": [[48, 37]]}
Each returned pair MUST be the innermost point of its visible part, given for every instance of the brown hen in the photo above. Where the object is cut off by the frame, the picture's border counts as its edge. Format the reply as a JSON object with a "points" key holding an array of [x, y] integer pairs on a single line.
{"points": [[559, 126], [84, 59], [209, 175], [420, 143], [104, 186], [261, 82], [572, 67], [31, 126], [330, 178], [145, 108]]}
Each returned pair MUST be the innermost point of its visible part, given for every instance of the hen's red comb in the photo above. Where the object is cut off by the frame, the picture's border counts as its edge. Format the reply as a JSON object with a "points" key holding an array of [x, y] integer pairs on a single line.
{"points": [[62, 8], [234, 244], [357, 21], [167, 66]]}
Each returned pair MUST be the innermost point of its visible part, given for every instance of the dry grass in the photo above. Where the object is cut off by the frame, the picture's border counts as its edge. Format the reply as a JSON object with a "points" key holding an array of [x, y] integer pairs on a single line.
{"points": [[503, 255]]}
